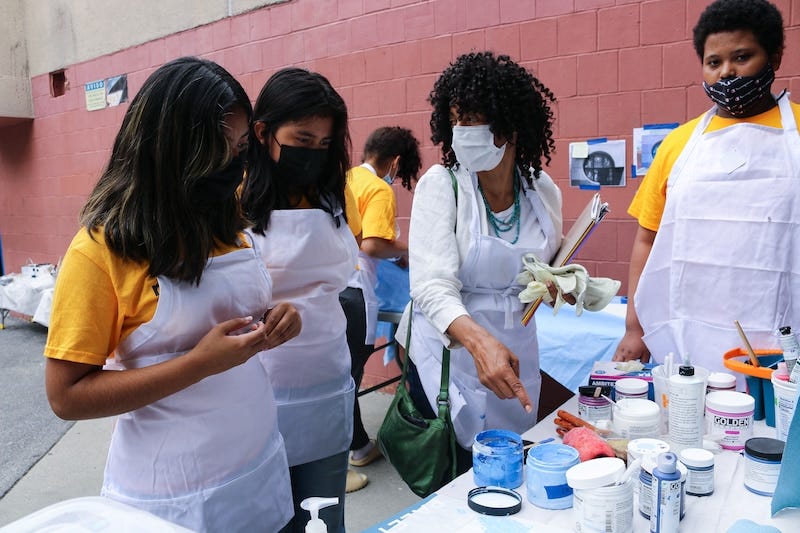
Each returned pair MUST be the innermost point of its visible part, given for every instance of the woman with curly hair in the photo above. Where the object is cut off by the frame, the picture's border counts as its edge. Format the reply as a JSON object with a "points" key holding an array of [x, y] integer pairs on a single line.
{"points": [[472, 219]]}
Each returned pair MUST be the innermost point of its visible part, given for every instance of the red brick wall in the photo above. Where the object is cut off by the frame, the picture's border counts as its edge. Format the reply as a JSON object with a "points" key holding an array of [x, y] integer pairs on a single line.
{"points": [[613, 64]]}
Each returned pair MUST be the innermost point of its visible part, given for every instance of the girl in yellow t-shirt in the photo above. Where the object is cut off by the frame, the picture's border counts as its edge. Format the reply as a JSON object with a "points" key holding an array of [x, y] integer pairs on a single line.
{"points": [[160, 306]]}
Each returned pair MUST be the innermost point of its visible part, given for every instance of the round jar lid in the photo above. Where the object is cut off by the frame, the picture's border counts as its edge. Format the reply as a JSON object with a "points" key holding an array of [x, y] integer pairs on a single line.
{"points": [[721, 380], [765, 448], [729, 401], [631, 386], [637, 448], [636, 408], [696, 457], [595, 473]]}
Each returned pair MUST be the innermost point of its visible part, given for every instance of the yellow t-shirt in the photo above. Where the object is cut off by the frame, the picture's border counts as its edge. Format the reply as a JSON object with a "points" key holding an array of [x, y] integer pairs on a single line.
{"points": [[99, 300], [376, 203], [648, 204]]}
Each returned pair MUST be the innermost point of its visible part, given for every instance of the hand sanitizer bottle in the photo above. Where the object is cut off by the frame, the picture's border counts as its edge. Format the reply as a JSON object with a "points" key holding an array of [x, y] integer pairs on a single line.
{"points": [[313, 505]]}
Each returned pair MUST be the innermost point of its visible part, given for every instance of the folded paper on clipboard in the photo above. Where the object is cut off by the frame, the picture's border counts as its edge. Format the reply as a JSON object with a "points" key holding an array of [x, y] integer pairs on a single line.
{"points": [[589, 218]]}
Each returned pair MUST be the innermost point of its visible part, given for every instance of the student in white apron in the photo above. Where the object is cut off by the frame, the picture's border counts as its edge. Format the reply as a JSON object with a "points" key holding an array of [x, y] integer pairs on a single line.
{"points": [[494, 122], [161, 284], [718, 210], [295, 195], [389, 153]]}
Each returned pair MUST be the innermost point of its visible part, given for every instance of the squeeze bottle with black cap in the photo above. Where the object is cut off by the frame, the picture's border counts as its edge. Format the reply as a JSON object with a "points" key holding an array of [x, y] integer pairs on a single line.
{"points": [[790, 347], [666, 493], [687, 393]]}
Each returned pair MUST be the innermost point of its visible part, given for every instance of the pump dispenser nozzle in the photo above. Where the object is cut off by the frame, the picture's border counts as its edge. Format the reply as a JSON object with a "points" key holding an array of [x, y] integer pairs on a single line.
{"points": [[313, 505]]}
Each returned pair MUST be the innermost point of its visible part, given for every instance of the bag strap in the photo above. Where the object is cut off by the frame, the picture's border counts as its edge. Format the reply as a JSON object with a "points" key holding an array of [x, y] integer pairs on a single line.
{"points": [[443, 400], [455, 192]]}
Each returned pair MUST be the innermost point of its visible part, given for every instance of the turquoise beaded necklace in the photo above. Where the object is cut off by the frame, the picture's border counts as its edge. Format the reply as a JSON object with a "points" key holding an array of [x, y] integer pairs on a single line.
{"points": [[504, 225]]}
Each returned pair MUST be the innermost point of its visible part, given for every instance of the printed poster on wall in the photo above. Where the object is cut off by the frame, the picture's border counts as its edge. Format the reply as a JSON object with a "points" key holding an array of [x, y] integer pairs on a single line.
{"points": [[95, 95], [117, 90], [646, 141], [596, 163]]}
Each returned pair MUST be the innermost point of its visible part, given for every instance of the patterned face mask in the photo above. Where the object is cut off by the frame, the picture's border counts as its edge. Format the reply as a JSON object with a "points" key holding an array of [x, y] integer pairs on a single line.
{"points": [[738, 95]]}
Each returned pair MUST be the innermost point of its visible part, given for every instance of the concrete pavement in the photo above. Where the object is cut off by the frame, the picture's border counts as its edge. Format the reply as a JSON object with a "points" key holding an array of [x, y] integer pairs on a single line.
{"points": [[73, 467]]}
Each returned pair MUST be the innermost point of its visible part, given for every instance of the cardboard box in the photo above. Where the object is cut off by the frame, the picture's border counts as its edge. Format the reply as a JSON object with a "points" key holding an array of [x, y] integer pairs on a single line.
{"points": [[606, 374]]}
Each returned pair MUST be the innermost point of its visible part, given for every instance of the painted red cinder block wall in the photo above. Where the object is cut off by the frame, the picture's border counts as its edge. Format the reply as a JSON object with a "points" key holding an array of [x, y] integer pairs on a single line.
{"points": [[613, 65]]}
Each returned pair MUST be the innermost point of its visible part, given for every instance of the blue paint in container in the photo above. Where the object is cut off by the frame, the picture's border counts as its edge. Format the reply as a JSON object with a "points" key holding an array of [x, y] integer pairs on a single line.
{"points": [[546, 475], [497, 459]]}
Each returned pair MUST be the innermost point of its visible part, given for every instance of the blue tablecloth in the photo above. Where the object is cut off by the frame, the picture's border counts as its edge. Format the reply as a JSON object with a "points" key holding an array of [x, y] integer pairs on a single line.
{"points": [[568, 344]]}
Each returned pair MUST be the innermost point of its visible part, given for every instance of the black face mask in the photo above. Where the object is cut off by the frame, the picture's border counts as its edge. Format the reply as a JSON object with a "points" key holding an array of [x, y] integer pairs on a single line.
{"points": [[219, 186], [301, 167], [740, 94]]}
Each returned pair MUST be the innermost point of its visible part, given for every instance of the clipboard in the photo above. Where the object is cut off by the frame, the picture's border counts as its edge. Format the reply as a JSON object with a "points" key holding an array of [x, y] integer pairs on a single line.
{"points": [[584, 225]]}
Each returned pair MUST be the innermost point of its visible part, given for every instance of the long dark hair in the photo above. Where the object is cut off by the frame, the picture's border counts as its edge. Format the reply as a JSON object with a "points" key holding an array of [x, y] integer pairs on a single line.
{"points": [[511, 99], [291, 95], [172, 136]]}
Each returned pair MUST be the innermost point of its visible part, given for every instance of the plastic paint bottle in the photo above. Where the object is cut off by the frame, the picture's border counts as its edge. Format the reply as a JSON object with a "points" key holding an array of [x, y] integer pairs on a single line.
{"points": [[546, 475], [790, 347], [718, 381], [700, 465], [687, 394], [631, 388], [729, 418], [592, 407], [665, 517]]}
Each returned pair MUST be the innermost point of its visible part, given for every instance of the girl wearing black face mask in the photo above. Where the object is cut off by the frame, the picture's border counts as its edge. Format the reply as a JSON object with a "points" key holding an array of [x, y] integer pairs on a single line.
{"points": [[722, 197], [295, 195]]}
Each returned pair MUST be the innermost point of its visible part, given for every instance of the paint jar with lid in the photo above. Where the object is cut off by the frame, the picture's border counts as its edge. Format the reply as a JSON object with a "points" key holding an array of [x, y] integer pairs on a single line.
{"points": [[602, 497], [729, 418], [762, 464], [721, 381], [635, 418], [630, 388], [592, 407], [700, 471], [497, 459], [546, 475]]}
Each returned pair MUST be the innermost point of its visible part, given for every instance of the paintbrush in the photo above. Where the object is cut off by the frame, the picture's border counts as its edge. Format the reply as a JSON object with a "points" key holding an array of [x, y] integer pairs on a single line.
{"points": [[750, 352]]}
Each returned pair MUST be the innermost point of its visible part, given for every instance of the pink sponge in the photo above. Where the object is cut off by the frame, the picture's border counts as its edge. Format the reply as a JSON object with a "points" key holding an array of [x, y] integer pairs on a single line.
{"points": [[588, 443]]}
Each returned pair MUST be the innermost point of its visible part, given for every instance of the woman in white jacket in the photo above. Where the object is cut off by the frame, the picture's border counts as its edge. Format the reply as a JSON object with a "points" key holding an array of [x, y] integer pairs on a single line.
{"points": [[471, 222]]}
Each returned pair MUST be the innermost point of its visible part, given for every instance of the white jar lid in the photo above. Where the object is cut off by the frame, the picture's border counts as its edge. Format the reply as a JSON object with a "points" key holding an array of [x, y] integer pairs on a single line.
{"points": [[595, 473], [637, 448], [636, 408], [696, 457], [721, 380], [729, 401], [631, 386]]}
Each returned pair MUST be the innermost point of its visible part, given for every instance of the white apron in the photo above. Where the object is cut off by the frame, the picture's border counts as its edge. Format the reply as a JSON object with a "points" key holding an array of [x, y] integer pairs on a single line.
{"points": [[728, 243], [310, 260], [366, 279], [490, 296], [209, 457]]}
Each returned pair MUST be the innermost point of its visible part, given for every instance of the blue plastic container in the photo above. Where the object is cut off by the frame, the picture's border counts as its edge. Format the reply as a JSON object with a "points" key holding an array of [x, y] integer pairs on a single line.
{"points": [[497, 459], [546, 475]]}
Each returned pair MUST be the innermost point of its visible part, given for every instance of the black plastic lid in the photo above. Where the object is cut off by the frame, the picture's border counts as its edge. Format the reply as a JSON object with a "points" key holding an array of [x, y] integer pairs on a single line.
{"points": [[785, 330], [686, 370], [591, 390], [765, 448]]}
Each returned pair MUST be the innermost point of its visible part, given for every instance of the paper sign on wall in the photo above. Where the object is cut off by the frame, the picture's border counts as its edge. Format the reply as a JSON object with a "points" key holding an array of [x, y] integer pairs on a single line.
{"points": [[597, 162], [95, 95]]}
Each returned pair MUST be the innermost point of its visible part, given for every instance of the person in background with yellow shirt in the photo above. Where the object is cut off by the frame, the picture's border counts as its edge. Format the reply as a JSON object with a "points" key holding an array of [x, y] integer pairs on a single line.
{"points": [[718, 209], [389, 153], [157, 314]]}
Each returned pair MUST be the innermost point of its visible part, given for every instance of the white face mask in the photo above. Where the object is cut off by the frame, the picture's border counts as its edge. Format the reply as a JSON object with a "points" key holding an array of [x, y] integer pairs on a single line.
{"points": [[475, 149]]}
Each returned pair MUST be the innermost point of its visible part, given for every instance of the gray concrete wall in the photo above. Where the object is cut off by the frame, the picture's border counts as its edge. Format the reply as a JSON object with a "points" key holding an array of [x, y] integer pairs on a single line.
{"points": [[41, 36]]}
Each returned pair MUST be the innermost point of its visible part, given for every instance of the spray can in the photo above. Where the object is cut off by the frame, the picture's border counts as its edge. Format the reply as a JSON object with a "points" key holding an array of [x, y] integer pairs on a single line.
{"points": [[790, 347], [666, 493], [686, 409]]}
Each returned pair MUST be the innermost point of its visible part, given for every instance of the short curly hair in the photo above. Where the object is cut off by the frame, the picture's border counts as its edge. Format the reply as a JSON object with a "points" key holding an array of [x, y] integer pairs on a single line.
{"points": [[391, 141], [759, 16], [511, 99]]}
